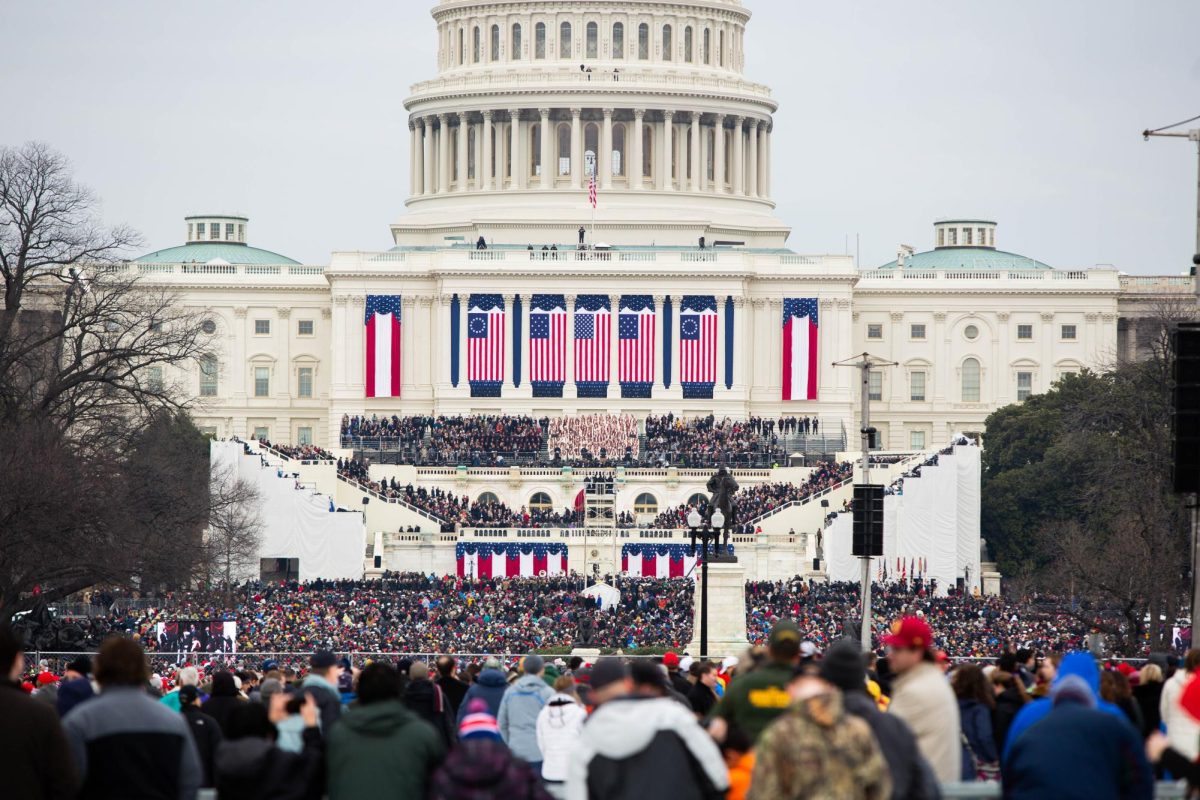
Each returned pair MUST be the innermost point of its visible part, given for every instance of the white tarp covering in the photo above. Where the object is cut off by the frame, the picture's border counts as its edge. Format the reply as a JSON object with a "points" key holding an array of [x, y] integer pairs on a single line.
{"points": [[297, 523], [609, 596], [931, 529]]}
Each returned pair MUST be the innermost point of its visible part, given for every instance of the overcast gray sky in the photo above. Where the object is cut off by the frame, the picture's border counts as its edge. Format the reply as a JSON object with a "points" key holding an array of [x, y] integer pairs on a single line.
{"points": [[891, 114]]}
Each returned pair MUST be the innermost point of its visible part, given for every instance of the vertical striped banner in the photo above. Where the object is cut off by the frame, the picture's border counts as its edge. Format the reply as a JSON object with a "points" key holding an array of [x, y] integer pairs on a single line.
{"points": [[547, 344], [485, 344], [593, 344], [698, 346], [801, 345], [382, 321], [635, 345]]}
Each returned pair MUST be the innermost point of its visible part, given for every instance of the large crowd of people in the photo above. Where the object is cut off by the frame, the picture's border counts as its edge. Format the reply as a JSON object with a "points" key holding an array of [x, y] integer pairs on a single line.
{"points": [[753, 502], [483, 440], [591, 437]]}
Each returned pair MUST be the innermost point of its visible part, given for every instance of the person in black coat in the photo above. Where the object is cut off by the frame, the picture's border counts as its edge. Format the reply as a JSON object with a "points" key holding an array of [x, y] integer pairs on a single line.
{"points": [[250, 767], [703, 695], [206, 732], [1147, 695], [1011, 697], [425, 699], [222, 700], [454, 689]]}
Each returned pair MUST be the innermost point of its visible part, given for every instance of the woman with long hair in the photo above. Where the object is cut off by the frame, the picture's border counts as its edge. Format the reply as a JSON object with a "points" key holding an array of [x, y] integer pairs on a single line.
{"points": [[976, 700], [1011, 697]]}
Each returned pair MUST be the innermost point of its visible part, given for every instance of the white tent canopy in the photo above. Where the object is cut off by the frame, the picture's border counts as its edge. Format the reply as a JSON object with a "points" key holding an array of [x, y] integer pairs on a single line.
{"points": [[608, 595]]}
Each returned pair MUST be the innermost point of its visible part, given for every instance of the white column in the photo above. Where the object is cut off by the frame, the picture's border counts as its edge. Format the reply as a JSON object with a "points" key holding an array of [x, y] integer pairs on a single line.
{"points": [[338, 329], [422, 156], [444, 153], [681, 152], [766, 181], [719, 154], [695, 144], [461, 156], [752, 170], [486, 180], [636, 157], [547, 176], [665, 177], [517, 162], [739, 157], [414, 157], [576, 149], [704, 158], [606, 150], [427, 158], [741, 344], [478, 129]]}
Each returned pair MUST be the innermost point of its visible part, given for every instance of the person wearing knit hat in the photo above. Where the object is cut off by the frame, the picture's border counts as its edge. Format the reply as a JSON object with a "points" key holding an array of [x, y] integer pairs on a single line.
{"points": [[482, 765], [478, 723], [519, 709], [845, 666]]}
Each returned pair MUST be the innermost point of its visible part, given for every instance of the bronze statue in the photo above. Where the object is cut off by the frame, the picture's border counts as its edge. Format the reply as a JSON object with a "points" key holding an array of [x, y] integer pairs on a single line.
{"points": [[722, 487], [585, 630]]}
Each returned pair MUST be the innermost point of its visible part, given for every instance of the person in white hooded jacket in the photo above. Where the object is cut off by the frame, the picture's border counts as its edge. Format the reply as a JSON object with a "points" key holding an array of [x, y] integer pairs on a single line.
{"points": [[558, 726], [1183, 732]]}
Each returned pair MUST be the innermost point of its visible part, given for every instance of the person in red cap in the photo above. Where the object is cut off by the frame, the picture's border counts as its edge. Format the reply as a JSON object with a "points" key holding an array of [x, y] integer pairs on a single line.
{"points": [[678, 681], [922, 697]]}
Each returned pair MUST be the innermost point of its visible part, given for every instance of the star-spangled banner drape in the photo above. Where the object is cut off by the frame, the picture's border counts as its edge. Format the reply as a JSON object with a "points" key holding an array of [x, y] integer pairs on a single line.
{"points": [[547, 344], [382, 331], [635, 345], [698, 346], [593, 344], [510, 559], [801, 346], [485, 344], [658, 560]]}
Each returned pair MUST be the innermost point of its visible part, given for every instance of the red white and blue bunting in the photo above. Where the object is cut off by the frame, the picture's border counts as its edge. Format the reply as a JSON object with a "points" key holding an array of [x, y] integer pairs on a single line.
{"points": [[658, 560], [510, 559]]}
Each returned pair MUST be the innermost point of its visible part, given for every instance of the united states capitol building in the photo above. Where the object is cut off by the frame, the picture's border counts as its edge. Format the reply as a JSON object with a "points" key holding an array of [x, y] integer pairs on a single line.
{"points": [[676, 293]]}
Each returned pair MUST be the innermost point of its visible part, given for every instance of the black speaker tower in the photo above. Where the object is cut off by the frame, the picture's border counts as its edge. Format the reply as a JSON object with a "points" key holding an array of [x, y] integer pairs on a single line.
{"points": [[868, 520], [1185, 408]]}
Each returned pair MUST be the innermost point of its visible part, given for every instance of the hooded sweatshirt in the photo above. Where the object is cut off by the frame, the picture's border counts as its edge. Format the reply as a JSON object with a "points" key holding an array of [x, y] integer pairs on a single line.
{"points": [[490, 685], [382, 749], [1080, 664], [559, 725], [519, 709], [255, 769], [638, 747]]}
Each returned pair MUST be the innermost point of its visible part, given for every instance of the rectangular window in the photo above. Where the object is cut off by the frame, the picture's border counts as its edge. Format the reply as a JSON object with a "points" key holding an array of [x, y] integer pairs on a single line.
{"points": [[1025, 332], [154, 379], [1068, 332], [214, 231], [229, 232], [916, 387], [304, 382], [916, 440], [875, 385], [917, 330], [199, 230], [262, 381], [208, 377], [241, 232], [875, 331], [304, 435], [1024, 385], [953, 238], [941, 237], [262, 327], [982, 236], [191, 234], [967, 236], [261, 433], [304, 327]]}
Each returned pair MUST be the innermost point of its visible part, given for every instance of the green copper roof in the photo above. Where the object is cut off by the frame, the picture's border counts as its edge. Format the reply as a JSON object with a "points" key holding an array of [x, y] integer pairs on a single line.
{"points": [[968, 258], [202, 253]]}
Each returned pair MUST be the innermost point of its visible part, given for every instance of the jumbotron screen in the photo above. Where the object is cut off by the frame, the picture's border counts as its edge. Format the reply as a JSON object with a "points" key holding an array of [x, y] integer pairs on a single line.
{"points": [[196, 636]]}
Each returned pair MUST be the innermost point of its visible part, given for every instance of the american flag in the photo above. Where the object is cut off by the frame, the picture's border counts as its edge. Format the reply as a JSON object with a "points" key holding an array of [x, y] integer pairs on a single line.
{"points": [[593, 338], [800, 348], [636, 339], [592, 189], [485, 338], [382, 321], [698, 339], [548, 338]]}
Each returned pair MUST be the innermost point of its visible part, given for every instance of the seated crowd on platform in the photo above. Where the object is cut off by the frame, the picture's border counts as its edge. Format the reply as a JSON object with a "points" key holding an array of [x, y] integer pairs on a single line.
{"points": [[444, 440], [304, 452], [754, 501], [589, 437]]}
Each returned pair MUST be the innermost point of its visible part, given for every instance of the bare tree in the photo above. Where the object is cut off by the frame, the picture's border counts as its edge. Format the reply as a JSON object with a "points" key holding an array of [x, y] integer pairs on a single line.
{"points": [[234, 537]]}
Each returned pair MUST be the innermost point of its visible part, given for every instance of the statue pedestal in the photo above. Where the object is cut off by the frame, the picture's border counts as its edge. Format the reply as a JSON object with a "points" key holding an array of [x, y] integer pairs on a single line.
{"points": [[726, 609], [588, 654], [990, 578]]}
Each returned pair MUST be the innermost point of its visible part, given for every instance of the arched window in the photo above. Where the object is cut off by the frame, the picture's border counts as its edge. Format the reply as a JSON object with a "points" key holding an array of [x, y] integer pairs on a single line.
{"points": [[699, 500], [539, 40], [591, 146], [970, 381], [487, 497], [564, 40], [618, 149], [643, 41], [645, 504], [593, 40], [618, 40], [687, 44], [666, 36], [706, 55], [514, 49], [475, 46], [720, 48], [495, 55], [564, 149], [540, 502], [535, 149], [647, 151]]}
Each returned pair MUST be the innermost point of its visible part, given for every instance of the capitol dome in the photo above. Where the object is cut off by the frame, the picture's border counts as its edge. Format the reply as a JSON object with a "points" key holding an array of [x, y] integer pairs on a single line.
{"points": [[217, 239], [534, 98], [966, 245]]}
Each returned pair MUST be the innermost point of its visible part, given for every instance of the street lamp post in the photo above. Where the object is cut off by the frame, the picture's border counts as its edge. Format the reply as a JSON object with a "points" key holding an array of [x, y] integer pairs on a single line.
{"points": [[711, 530]]}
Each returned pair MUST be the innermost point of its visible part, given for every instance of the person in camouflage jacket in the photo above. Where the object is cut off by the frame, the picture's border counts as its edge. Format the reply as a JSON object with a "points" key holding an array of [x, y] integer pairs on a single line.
{"points": [[815, 751]]}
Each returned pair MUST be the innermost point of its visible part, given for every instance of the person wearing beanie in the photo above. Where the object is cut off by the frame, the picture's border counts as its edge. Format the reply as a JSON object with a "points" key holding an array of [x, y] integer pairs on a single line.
{"points": [[679, 681], [921, 696], [844, 666], [482, 765], [1077, 751], [427, 700], [321, 683], [489, 685], [380, 748], [519, 709]]}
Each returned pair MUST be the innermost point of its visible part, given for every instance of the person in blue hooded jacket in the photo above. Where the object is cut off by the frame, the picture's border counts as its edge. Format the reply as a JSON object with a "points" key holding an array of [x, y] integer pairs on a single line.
{"points": [[489, 685], [1080, 664]]}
